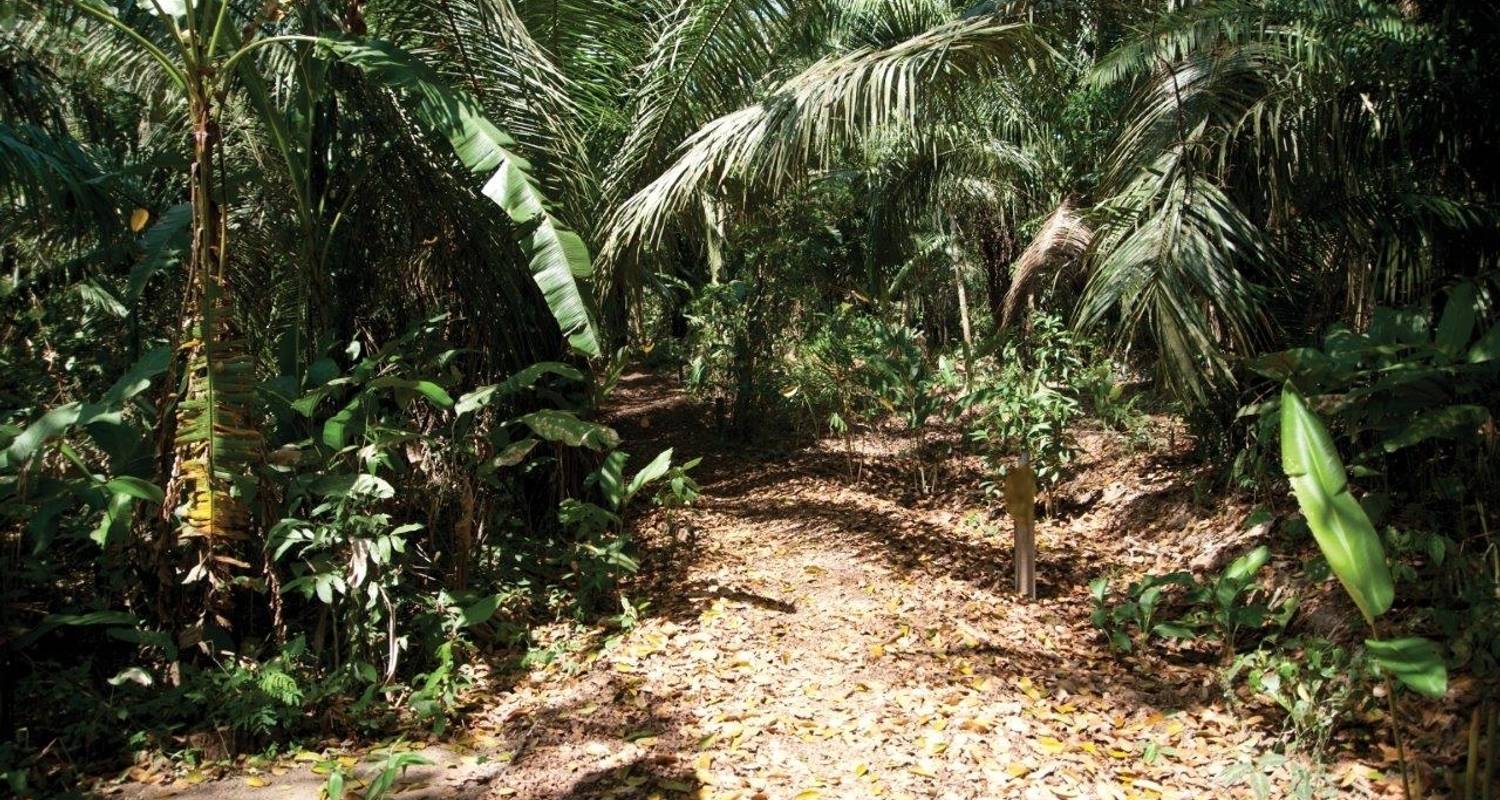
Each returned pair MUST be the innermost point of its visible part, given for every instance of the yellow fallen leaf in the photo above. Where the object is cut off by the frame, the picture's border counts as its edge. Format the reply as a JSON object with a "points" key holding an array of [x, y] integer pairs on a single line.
{"points": [[923, 770], [1028, 688], [808, 794], [307, 755], [257, 782], [1050, 746], [1017, 770], [138, 220], [861, 769]]}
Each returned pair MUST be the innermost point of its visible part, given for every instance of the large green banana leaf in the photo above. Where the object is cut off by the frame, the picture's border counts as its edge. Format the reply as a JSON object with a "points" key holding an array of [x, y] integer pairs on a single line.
{"points": [[1339, 524], [559, 256]]}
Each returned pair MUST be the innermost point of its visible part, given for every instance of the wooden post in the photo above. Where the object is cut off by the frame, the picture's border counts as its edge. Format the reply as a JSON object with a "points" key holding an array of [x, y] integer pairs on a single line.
{"points": [[1020, 501]]}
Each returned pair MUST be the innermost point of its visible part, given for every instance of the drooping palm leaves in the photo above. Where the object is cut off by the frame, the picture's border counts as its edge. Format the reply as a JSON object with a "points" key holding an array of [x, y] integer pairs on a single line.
{"points": [[809, 119]]}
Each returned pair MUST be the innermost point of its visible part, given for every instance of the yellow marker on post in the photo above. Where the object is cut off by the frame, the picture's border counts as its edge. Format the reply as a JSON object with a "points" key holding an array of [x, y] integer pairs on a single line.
{"points": [[1020, 501]]}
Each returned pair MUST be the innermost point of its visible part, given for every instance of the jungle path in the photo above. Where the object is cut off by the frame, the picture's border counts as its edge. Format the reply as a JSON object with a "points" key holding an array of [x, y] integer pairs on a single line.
{"points": [[823, 625]]}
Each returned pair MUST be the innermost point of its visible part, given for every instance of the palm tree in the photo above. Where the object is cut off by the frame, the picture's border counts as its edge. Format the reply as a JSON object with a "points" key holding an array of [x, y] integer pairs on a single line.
{"points": [[1263, 152]]}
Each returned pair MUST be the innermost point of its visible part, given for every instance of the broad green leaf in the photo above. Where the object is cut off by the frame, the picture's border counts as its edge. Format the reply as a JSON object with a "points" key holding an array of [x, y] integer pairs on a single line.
{"points": [[1451, 422], [162, 246], [612, 479], [347, 485], [514, 453], [1457, 323], [1343, 532], [136, 487], [563, 426], [1242, 569], [1172, 630], [481, 611], [54, 621], [138, 378], [558, 255], [50, 424], [337, 429], [116, 516], [433, 392], [1414, 661], [525, 379], [1487, 348], [653, 471]]}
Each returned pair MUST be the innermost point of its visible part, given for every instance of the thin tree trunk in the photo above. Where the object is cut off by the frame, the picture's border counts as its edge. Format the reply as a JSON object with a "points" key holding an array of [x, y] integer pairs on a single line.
{"points": [[963, 320]]}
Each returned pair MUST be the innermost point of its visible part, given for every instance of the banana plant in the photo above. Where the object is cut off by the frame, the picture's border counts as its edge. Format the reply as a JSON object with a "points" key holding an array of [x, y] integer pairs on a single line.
{"points": [[205, 50]]}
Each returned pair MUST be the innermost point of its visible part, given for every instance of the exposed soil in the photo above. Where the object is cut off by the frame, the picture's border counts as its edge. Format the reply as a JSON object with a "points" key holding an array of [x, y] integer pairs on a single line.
{"points": [[835, 621]]}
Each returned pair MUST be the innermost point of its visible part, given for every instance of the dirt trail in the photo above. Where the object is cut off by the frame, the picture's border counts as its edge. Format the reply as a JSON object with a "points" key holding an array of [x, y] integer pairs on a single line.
{"points": [[810, 635]]}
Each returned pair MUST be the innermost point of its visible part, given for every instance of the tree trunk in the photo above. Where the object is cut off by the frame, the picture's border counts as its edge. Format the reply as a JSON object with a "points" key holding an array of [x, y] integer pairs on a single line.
{"points": [[997, 249]]}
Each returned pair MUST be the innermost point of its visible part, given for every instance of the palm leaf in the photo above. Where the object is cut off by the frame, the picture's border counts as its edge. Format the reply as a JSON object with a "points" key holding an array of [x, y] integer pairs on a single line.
{"points": [[810, 118]]}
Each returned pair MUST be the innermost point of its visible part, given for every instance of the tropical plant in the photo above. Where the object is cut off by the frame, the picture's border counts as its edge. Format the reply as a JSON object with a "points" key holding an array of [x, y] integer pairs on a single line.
{"points": [[1353, 550]]}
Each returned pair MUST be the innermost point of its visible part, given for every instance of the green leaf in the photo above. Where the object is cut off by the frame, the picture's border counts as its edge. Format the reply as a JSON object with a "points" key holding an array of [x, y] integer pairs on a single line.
{"points": [[563, 426], [54, 621], [1487, 348], [138, 378], [1338, 523], [481, 611], [1242, 569], [1451, 422], [558, 255], [50, 424], [514, 453], [651, 472], [433, 392], [612, 479], [137, 488], [1414, 661], [525, 379], [1172, 630], [349, 484], [340, 426], [1457, 323], [162, 246]]}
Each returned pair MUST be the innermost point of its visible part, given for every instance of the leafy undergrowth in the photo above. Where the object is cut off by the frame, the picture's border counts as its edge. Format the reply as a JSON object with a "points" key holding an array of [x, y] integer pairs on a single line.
{"points": [[835, 622]]}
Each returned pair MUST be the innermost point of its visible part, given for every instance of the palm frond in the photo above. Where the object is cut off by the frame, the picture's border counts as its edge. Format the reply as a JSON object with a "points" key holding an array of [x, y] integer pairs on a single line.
{"points": [[809, 119], [1173, 262], [705, 62], [1063, 238]]}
